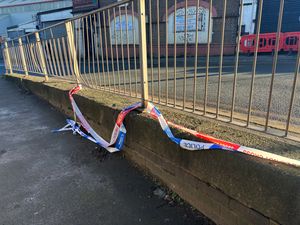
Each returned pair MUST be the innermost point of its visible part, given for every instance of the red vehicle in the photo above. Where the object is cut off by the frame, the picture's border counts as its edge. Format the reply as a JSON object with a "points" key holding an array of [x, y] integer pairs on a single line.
{"points": [[291, 41], [267, 43]]}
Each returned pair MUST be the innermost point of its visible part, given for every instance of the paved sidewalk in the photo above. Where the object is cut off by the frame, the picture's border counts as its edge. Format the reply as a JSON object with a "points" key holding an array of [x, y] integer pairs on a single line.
{"points": [[48, 178]]}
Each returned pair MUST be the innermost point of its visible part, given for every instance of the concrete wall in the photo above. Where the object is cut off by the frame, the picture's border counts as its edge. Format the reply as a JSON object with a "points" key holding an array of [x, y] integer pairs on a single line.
{"points": [[230, 188]]}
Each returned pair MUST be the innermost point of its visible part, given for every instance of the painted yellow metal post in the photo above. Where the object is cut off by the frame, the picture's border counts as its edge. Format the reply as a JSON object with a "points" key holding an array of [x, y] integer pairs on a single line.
{"points": [[41, 54], [7, 59], [71, 43], [23, 57], [143, 52]]}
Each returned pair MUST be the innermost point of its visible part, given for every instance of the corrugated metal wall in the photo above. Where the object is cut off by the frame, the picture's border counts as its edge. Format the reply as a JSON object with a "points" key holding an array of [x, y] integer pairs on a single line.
{"points": [[291, 17]]}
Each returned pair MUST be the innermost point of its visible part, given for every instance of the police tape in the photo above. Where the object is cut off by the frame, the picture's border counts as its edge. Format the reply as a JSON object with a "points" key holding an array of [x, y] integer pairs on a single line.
{"points": [[220, 144], [116, 143], [183, 143], [84, 129]]}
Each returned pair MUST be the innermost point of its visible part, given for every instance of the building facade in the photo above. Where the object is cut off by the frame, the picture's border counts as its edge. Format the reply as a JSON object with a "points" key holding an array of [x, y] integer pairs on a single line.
{"points": [[160, 21], [290, 20]]}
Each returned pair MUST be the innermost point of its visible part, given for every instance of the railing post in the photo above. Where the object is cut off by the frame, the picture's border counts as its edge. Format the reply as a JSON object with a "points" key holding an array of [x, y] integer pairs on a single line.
{"points": [[23, 57], [143, 51], [41, 54], [7, 58], [71, 44]]}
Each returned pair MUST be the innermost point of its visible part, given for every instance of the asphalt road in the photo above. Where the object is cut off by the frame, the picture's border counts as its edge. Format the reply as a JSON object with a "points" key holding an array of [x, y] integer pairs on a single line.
{"points": [[59, 178]]}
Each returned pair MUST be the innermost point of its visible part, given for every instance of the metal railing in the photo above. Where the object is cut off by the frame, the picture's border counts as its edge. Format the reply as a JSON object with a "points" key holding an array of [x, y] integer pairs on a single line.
{"points": [[183, 48]]}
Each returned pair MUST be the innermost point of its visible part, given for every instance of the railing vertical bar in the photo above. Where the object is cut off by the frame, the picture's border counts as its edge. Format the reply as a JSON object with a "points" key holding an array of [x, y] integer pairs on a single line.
{"points": [[93, 49], [122, 50], [85, 52], [207, 57], [61, 57], [275, 59], [84, 48], [175, 54], [97, 50], [221, 58], [18, 58], [5, 54], [15, 64], [27, 55], [52, 56], [167, 56], [71, 44], [128, 53], [23, 57], [11, 58], [81, 46], [45, 57], [151, 48], [88, 51], [14, 55], [10, 49], [67, 60], [117, 51], [134, 48], [38, 59], [255, 60], [35, 63], [291, 105], [185, 54], [111, 50], [32, 57], [69, 55], [26, 59], [56, 57], [196, 57], [30, 54], [8, 59], [143, 52], [41, 56], [102, 55], [106, 50], [47, 54], [18, 63], [158, 49], [78, 45], [236, 66]]}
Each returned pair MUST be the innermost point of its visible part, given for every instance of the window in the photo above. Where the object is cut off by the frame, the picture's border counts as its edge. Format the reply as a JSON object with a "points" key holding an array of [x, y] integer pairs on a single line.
{"points": [[189, 24], [291, 40], [262, 42], [249, 42], [272, 41]]}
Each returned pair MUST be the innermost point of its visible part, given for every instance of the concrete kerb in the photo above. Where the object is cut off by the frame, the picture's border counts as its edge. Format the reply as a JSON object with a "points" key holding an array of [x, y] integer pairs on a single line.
{"points": [[229, 188]]}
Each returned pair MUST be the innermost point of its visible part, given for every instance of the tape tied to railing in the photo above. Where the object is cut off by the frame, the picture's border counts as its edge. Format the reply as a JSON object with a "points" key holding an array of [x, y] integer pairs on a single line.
{"points": [[116, 143], [84, 129]]}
